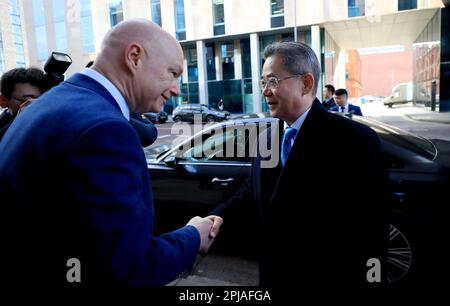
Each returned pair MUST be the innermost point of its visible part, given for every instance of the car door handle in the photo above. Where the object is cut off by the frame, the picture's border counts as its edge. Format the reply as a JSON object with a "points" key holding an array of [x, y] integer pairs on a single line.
{"points": [[222, 182]]}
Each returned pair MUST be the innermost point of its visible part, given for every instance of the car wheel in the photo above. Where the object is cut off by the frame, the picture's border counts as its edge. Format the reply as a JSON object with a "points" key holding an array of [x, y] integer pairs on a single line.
{"points": [[162, 121], [177, 119], [390, 105], [399, 256], [210, 119]]}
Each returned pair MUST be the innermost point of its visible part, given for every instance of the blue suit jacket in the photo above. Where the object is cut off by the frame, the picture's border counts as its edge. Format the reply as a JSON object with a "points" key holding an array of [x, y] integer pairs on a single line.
{"points": [[351, 108], [74, 184]]}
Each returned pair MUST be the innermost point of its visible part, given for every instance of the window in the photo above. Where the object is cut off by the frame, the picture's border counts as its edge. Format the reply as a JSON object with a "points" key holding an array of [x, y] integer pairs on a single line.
{"points": [[277, 13], [115, 11], [407, 5], [228, 60], [191, 58], [180, 28], [233, 144], [60, 25], [2, 56], [356, 8], [219, 17], [87, 33], [16, 25], [40, 30], [210, 61], [156, 12]]}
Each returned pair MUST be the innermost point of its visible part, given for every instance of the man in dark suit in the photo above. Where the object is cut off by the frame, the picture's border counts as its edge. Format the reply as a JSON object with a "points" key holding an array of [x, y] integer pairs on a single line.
{"points": [[74, 184], [329, 100], [320, 237], [341, 97]]}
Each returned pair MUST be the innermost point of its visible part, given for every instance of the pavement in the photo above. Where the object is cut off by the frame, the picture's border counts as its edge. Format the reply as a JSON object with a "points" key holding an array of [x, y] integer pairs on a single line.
{"points": [[219, 270], [410, 111]]}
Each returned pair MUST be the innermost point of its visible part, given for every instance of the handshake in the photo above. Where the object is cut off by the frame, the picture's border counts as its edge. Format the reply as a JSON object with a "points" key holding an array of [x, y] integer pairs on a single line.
{"points": [[208, 228]]}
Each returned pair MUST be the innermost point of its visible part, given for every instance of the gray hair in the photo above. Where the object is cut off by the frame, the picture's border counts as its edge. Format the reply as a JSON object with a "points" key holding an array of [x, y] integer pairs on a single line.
{"points": [[298, 58]]}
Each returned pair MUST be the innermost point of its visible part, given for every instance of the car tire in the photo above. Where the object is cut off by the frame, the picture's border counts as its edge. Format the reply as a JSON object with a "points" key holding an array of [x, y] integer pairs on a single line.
{"points": [[177, 119], [210, 119], [390, 105], [162, 121]]}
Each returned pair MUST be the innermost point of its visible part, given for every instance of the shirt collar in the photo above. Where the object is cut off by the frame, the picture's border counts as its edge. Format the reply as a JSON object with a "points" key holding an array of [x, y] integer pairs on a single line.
{"points": [[299, 122], [345, 108], [111, 88]]}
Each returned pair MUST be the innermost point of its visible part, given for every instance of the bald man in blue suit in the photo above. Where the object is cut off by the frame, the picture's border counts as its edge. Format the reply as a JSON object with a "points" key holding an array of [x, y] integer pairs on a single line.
{"points": [[73, 176]]}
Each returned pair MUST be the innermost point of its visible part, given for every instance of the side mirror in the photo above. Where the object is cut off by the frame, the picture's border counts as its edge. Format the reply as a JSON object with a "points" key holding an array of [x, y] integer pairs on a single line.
{"points": [[170, 161]]}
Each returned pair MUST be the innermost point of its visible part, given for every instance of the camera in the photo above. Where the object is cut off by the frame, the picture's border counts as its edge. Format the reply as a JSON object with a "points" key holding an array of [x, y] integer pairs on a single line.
{"points": [[55, 67]]}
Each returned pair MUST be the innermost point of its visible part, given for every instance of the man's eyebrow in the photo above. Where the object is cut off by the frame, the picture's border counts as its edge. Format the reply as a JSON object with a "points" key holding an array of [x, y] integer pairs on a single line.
{"points": [[268, 76]]}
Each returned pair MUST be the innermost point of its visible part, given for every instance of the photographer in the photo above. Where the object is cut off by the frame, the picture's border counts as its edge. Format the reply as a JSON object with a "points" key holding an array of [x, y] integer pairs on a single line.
{"points": [[19, 87]]}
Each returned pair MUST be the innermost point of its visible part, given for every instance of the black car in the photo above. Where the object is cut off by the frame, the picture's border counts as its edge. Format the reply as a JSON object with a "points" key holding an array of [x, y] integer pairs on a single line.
{"points": [[160, 117], [188, 113], [190, 179]]}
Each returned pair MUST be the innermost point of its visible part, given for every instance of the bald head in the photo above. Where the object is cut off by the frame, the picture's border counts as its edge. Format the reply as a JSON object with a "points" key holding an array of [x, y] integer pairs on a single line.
{"points": [[135, 51]]}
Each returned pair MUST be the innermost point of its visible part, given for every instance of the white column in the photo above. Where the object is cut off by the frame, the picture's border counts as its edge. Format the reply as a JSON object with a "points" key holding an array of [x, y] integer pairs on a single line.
{"points": [[339, 76], [256, 71], [315, 45], [237, 60], [202, 72], [218, 59]]}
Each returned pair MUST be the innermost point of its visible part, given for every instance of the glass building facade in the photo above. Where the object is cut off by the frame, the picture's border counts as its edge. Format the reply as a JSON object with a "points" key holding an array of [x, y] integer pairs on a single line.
{"points": [[356, 8], [87, 32], [115, 11], [16, 25], [218, 17], [2, 55], [156, 12], [59, 25], [180, 26], [431, 52], [276, 13], [40, 30], [407, 5]]}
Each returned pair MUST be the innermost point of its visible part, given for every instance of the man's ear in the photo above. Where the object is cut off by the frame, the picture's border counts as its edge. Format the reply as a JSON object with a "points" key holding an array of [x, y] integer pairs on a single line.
{"points": [[308, 83], [3, 101], [133, 54]]}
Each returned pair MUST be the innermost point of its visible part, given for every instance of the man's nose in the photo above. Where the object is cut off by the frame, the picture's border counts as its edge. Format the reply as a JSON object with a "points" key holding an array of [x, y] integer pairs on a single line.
{"points": [[175, 90]]}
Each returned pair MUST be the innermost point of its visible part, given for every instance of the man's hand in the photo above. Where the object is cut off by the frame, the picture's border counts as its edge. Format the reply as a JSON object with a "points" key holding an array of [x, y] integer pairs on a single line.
{"points": [[217, 223], [203, 225]]}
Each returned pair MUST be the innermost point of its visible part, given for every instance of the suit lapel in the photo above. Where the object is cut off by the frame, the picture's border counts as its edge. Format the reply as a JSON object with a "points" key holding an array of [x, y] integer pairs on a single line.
{"points": [[296, 156]]}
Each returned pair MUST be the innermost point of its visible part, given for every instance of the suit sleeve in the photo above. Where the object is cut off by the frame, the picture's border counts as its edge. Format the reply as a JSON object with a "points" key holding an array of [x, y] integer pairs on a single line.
{"points": [[110, 185]]}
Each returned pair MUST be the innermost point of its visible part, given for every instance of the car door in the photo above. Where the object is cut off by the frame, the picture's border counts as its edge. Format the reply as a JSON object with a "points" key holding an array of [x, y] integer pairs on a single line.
{"points": [[203, 173]]}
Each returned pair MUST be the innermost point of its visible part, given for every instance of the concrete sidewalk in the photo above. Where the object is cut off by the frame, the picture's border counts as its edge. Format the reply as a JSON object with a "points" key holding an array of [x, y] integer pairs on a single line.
{"points": [[429, 116], [219, 270]]}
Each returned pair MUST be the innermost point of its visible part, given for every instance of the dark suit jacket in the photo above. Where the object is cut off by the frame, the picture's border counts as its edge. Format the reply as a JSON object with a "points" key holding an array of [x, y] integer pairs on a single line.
{"points": [[319, 237], [5, 121], [74, 184], [354, 109], [329, 104], [144, 128]]}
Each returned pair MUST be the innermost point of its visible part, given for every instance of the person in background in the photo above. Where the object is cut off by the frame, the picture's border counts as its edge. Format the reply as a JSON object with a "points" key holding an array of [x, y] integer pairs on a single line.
{"points": [[19, 87], [341, 97], [329, 100]]}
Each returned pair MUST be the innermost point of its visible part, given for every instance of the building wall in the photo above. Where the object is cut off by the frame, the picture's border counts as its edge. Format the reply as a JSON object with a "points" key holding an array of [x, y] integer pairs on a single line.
{"points": [[353, 74], [381, 71]]}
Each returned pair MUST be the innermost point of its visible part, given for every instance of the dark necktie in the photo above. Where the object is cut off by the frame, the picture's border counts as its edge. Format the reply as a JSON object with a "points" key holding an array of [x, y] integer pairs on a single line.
{"points": [[342, 109], [289, 134]]}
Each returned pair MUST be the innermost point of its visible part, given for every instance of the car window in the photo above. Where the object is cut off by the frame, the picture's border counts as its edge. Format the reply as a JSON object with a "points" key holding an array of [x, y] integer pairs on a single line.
{"points": [[230, 144]]}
